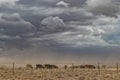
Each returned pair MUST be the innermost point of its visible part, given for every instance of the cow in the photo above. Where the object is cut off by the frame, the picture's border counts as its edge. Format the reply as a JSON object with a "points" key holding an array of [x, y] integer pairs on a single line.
{"points": [[82, 66], [49, 66], [88, 66], [39, 66]]}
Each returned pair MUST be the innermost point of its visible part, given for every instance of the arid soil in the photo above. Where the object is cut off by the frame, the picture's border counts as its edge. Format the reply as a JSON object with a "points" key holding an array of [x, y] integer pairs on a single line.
{"points": [[58, 74]]}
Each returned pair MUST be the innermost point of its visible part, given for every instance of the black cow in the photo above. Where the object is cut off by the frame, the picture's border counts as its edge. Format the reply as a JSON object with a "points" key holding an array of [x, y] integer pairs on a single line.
{"points": [[39, 66], [82, 66], [49, 66]]}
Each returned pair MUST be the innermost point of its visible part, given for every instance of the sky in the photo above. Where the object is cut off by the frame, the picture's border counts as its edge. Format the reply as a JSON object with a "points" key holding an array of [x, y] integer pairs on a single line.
{"points": [[59, 31]]}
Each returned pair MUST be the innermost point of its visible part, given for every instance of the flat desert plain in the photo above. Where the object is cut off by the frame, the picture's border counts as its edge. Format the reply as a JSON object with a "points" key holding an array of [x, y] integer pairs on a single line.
{"points": [[58, 74]]}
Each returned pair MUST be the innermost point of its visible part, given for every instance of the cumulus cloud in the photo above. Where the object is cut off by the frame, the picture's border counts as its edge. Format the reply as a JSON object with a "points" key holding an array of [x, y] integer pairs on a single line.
{"points": [[53, 21], [53, 24]]}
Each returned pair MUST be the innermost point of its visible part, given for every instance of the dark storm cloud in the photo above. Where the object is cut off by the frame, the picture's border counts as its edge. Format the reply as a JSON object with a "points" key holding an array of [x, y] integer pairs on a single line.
{"points": [[13, 30], [47, 16], [13, 25]]}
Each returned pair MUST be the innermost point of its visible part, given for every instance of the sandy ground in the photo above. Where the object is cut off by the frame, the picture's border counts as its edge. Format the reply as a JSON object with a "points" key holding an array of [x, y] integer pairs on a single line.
{"points": [[58, 74]]}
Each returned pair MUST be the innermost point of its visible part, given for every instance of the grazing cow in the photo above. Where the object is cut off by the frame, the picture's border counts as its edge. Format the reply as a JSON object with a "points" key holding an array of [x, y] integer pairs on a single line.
{"points": [[91, 66], [88, 66], [49, 66], [39, 66], [82, 66]]}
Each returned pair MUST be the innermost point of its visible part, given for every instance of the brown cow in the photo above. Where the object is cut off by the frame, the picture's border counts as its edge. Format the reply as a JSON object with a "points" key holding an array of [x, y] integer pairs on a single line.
{"points": [[39, 66], [88, 66]]}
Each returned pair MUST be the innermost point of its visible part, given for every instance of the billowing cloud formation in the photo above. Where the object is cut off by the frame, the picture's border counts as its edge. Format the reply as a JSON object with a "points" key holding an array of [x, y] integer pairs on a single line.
{"points": [[53, 24], [60, 25], [28, 19]]}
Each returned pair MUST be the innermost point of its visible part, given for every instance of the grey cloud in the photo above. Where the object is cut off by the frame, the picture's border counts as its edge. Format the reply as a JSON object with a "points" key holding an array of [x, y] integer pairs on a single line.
{"points": [[51, 3], [82, 36], [18, 43], [14, 17], [77, 3], [111, 34], [36, 17], [55, 11], [7, 2], [67, 14], [37, 2], [13, 42], [53, 21], [16, 26], [15, 31], [83, 27], [77, 14], [37, 13], [102, 7], [54, 24], [79, 23]]}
